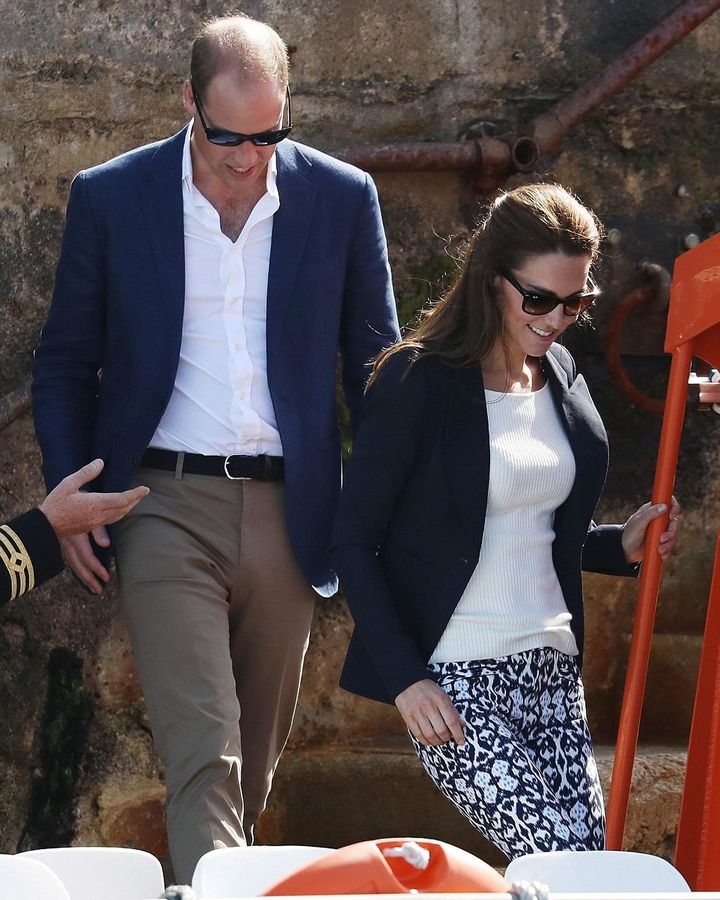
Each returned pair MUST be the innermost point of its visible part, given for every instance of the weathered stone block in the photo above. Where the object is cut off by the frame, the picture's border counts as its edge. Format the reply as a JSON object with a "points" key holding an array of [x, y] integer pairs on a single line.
{"points": [[130, 813], [338, 796]]}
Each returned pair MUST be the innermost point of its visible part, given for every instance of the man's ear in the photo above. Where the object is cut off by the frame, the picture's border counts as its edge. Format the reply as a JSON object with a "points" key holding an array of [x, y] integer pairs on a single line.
{"points": [[188, 99]]}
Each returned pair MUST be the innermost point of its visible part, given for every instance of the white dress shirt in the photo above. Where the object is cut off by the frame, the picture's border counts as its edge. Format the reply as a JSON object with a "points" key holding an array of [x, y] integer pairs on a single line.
{"points": [[220, 403]]}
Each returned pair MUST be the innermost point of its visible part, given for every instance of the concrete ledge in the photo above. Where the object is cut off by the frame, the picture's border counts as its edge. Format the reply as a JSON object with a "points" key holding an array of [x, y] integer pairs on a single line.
{"points": [[337, 796]]}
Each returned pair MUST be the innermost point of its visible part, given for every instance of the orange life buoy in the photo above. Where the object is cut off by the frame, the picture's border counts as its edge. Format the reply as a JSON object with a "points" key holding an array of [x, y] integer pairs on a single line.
{"points": [[365, 868]]}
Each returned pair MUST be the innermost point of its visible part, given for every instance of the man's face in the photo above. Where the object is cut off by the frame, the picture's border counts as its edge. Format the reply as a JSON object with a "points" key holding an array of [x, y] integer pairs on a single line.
{"points": [[246, 107]]}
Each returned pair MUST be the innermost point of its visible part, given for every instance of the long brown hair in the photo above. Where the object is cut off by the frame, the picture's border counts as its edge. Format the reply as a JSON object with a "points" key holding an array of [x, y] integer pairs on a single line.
{"points": [[463, 327]]}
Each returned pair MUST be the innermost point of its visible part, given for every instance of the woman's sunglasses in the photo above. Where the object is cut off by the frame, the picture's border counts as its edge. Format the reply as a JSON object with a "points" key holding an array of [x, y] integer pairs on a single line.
{"points": [[223, 138], [539, 303]]}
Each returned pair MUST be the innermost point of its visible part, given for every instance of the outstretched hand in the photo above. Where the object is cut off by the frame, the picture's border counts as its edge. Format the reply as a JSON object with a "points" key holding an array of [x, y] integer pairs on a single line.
{"points": [[429, 714], [73, 513], [635, 531]]}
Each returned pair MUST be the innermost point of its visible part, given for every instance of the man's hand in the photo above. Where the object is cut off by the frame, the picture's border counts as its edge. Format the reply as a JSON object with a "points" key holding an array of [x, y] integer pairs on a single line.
{"points": [[78, 553], [635, 531], [429, 714], [72, 513]]}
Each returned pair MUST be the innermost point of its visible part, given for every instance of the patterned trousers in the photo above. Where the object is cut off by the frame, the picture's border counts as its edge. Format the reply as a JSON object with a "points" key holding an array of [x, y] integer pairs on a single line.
{"points": [[526, 777]]}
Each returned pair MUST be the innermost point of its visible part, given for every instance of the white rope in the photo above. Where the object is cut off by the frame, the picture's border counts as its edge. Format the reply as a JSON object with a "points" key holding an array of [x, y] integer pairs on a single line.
{"points": [[530, 890], [179, 892], [412, 853]]}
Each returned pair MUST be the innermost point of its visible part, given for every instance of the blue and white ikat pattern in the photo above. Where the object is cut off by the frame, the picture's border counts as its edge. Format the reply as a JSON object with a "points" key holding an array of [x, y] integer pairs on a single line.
{"points": [[526, 776]]}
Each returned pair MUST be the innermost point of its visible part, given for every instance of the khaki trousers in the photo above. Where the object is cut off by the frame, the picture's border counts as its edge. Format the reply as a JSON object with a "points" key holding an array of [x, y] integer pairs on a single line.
{"points": [[219, 616]]}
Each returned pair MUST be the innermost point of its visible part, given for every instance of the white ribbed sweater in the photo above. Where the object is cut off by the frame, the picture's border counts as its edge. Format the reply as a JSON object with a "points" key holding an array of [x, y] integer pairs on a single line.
{"points": [[513, 601]]}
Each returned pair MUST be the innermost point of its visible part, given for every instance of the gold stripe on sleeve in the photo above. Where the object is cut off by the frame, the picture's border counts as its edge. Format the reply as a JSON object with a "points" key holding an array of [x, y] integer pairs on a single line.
{"points": [[16, 559]]}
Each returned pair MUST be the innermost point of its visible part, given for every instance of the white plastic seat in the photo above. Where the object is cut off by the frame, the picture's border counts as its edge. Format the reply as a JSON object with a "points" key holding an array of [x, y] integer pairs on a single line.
{"points": [[103, 873], [28, 879], [248, 871], [596, 871]]}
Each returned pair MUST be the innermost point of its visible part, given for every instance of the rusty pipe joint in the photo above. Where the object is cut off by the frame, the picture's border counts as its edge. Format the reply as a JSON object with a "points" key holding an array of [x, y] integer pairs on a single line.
{"points": [[499, 159], [524, 152], [487, 160], [495, 163], [548, 132]]}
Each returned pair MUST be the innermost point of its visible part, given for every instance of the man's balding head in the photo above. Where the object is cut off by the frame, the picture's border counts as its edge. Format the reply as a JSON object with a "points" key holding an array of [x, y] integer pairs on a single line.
{"points": [[250, 49]]}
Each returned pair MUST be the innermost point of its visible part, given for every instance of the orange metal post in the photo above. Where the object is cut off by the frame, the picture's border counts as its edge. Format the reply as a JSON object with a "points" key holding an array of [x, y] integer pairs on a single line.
{"points": [[647, 601], [693, 328], [698, 841]]}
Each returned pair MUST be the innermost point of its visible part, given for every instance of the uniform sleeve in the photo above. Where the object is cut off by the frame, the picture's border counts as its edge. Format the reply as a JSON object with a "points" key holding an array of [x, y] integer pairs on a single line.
{"points": [[29, 554]]}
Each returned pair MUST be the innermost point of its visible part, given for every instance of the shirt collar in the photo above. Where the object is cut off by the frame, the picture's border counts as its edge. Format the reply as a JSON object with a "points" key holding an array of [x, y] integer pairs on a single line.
{"points": [[187, 173]]}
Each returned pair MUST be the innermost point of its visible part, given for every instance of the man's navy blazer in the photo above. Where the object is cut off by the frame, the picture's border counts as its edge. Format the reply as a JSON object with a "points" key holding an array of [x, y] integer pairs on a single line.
{"points": [[106, 363], [410, 521]]}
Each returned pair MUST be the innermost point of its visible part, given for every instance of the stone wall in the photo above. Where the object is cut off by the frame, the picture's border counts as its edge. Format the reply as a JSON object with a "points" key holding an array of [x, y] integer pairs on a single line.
{"points": [[83, 80]]}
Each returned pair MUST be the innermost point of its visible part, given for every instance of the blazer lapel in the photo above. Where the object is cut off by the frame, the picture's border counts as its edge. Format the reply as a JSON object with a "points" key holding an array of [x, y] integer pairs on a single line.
{"points": [[163, 207], [291, 226], [466, 448], [563, 396], [583, 426]]}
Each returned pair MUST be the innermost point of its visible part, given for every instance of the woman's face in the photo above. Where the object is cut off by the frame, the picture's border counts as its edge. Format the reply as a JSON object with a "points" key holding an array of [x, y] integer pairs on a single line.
{"points": [[549, 273]]}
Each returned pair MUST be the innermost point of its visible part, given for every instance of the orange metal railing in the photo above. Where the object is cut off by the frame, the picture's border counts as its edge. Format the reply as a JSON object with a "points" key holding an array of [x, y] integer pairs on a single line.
{"points": [[698, 842], [693, 329]]}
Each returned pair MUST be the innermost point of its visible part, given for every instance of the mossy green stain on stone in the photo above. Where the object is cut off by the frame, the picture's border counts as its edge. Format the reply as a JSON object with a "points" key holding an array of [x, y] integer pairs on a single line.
{"points": [[62, 740]]}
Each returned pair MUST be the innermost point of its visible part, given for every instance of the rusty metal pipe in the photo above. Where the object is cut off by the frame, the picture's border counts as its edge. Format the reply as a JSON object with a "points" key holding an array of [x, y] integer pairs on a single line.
{"points": [[462, 156], [487, 159], [549, 128], [490, 160]]}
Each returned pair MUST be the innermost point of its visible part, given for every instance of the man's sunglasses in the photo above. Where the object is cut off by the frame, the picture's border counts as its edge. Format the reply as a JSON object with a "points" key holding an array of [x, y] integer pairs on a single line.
{"points": [[233, 138], [540, 303]]}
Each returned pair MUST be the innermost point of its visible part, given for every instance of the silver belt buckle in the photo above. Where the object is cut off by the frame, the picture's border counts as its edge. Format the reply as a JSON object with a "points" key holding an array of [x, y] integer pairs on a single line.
{"points": [[233, 477]]}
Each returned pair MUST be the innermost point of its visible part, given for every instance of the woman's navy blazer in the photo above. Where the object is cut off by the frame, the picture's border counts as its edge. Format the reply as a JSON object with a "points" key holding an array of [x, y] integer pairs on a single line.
{"points": [[410, 522]]}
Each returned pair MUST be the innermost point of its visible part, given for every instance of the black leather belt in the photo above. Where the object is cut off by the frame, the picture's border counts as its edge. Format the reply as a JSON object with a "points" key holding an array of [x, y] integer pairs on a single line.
{"points": [[260, 468]]}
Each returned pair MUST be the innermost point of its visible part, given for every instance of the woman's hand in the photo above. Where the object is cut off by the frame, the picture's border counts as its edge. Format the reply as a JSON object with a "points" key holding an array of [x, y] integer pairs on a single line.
{"points": [[635, 531], [429, 714]]}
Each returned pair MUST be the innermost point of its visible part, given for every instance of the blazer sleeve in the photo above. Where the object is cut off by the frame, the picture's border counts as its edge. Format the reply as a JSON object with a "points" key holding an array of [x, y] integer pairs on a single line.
{"points": [[384, 453], [29, 554], [603, 552], [369, 320], [71, 350]]}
